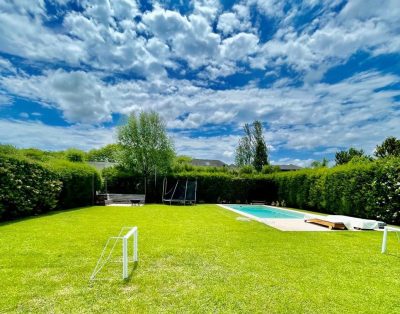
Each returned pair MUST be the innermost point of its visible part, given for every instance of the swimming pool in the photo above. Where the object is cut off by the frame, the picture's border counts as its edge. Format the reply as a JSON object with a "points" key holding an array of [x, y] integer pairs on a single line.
{"points": [[262, 211]]}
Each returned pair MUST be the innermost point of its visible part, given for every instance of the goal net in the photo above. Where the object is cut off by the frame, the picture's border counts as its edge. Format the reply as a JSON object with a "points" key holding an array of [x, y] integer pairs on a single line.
{"points": [[129, 239]]}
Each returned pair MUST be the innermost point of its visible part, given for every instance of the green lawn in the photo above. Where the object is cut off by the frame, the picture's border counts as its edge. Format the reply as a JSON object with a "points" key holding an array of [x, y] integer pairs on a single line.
{"points": [[196, 259]]}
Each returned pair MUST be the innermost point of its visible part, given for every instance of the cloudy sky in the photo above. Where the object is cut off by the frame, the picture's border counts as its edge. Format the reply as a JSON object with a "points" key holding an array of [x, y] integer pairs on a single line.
{"points": [[320, 75]]}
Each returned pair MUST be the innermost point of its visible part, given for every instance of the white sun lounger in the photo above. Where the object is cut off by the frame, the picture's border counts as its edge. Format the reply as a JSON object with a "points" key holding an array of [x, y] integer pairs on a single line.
{"points": [[342, 222]]}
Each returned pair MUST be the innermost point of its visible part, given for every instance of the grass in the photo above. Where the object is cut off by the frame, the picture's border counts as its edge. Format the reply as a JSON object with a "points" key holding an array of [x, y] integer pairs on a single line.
{"points": [[193, 259]]}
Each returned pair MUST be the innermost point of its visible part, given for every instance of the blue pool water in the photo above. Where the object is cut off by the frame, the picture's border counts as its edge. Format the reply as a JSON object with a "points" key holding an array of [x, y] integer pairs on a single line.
{"points": [[267, 212]]}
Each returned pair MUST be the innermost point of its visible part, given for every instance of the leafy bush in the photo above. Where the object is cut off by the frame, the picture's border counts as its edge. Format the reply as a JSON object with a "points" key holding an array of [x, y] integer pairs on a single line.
{"points": [[75, 155], [79, 182], [26, 188]]}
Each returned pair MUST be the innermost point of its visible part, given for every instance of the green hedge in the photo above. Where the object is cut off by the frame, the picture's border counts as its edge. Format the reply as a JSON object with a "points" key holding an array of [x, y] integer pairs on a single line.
{"points": [[369, 190], [26, 188], [212, 187], [79, 181]]}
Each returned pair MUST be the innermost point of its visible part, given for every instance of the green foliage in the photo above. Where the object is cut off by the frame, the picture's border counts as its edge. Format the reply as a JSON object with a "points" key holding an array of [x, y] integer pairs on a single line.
{"points": [[213, 187], [260, 152], [267, 169], [320, 164], [107, 153], [146, 148], [26, 188], [246, 169], [7, 149], [244, 154], [344, 156], [79, 182], [75, 155], [389, 148], [365, 190], [252, 149]]}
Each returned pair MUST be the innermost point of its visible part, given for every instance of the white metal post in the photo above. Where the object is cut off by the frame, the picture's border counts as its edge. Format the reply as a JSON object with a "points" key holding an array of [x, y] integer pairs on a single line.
{"points": [[135, 246], [384, 241], [124, 258]]}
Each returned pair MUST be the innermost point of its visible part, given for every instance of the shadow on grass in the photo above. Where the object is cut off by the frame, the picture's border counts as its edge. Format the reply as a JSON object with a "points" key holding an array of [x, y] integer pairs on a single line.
{"points": [[132, 272], [37, 216], [114, 279]]}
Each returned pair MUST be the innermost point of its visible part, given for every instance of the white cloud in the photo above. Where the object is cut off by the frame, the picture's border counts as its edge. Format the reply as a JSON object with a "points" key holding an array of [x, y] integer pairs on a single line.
{"points": [[78, 95], [27, 134], [239, 46]]}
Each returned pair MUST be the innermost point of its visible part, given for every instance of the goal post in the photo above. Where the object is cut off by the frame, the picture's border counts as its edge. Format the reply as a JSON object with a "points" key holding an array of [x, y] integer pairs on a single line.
{"points": [[385, 236], [112, 242], [133, 232]]}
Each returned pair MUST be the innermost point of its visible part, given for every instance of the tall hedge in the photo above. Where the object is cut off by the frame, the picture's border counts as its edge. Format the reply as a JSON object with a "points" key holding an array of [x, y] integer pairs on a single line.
{"points": [[26, 188], [211, 187], [369, 190], [79, 182]]}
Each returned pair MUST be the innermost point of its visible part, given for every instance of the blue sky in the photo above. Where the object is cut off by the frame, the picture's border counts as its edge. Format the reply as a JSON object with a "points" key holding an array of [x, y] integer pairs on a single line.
{"points": [[320, 75]]}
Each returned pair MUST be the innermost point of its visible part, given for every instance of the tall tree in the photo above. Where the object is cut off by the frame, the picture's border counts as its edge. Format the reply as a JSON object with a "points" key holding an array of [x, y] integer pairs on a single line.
{"points": [[389, 148], [260, 148], [245, 152], [145, 146], [344, 156], [252, 149]]}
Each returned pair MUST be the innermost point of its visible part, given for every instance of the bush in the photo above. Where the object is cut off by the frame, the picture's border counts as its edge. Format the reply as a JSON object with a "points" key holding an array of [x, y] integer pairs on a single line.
{"points": [[75, 155], [26, 188], [79, 182]]}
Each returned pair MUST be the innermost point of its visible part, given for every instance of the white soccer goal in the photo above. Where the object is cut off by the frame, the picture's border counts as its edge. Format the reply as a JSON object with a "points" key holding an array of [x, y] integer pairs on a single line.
{"points": [[385, 236], [131, 234]]}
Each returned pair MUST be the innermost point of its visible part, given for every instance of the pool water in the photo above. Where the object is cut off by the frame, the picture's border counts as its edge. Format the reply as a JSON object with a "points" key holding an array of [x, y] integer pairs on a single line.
{"points": [[261, 211]]}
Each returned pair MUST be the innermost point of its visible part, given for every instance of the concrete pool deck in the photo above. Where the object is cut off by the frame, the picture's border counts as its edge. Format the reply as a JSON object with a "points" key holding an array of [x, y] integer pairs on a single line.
{"points": [[282, 224]]}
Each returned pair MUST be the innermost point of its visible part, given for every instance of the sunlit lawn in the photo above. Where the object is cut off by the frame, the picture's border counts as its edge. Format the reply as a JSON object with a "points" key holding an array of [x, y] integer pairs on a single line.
{"points": [[197, 259]]}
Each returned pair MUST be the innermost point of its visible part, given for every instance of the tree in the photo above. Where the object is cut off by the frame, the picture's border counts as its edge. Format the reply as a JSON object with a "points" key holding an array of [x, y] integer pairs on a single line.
{"points": [[390, 147], [245, 151], [145, 147], [252, 150], [107, 153], [261, 152], [320, 164], [344, 156]]}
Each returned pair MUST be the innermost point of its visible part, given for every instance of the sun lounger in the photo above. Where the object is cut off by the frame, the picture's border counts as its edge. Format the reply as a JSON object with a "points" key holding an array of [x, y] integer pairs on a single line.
{"points": [[331, 222], [342, 222]]}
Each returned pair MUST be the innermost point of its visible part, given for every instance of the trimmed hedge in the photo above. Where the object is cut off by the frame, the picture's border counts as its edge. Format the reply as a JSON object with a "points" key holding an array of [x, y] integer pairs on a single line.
{"points": [[79, 182], [368, 190], [26, 188], [29, 187], [211, 187]]}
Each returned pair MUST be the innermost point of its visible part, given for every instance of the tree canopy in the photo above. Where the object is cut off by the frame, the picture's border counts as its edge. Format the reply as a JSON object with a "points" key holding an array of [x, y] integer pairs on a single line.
{"points": [[252, 149], [344, 156], [145, 145], [390, 147]]}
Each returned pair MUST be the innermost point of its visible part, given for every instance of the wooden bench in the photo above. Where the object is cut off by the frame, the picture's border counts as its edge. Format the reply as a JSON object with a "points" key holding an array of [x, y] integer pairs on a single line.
{"points": [[331, 225]]}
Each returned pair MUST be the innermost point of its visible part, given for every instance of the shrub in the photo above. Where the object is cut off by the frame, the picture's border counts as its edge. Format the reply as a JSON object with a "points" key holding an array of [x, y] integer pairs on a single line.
{"points": [[79, 182], [26, 188], [75, 155]]}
